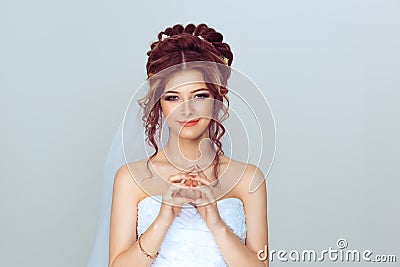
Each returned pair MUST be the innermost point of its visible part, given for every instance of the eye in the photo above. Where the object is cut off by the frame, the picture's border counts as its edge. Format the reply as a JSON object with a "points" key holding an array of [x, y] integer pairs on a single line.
{"points": [[204, 95], [170, 98]]}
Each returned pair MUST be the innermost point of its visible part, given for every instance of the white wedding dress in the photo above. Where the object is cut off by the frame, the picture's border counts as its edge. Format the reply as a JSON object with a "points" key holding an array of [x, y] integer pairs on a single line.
{"points": [[188, 242]]}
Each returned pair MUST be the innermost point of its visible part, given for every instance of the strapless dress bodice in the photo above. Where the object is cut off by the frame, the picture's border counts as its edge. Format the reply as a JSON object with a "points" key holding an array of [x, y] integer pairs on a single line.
{"points": [[188, 241]]}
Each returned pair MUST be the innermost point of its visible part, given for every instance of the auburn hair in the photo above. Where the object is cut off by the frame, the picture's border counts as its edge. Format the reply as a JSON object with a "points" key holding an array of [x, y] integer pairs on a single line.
{"points": [[170, 55]]}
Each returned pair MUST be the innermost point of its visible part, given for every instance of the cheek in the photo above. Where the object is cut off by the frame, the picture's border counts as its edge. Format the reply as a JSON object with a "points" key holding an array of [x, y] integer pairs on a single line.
{"points": [[205, 108], [167, 110], [164, 108]]}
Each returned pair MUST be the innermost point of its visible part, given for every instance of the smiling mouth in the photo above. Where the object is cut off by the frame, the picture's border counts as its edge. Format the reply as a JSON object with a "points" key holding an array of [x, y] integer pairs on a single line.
{"points": [[189, 123]]}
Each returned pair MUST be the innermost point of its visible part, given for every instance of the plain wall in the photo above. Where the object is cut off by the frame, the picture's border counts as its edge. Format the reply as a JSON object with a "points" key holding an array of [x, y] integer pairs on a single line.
{"points": [[330, 72]]}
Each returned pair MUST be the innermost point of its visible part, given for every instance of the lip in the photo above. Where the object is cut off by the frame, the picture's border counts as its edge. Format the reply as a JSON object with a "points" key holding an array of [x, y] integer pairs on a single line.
{"points": [[189, 123]]}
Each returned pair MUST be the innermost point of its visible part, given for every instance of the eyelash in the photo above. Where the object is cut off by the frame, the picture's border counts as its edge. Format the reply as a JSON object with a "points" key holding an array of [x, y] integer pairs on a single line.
{"points": [[169, 97]]}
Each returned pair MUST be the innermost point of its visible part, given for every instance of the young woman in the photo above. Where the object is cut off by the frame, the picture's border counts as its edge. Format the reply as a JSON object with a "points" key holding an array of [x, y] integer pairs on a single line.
{"points": [[188, 204]]}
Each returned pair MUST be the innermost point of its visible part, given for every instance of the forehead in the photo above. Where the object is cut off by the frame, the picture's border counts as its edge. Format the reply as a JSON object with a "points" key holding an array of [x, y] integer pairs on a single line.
{"points": [[185, 80]]}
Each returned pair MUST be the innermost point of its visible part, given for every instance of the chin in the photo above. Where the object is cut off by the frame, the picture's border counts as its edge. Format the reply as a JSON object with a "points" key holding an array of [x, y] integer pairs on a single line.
{"points": [[191, 133], [190, 136]]}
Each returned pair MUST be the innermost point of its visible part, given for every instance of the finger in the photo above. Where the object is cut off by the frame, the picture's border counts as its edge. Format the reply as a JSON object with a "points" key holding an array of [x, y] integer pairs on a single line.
{"points": [[171, 189], [197, 197], [197, 194], [191, 174], [203, 189], [177, 186], [179, 196], [176, 197], [176, 194], [189, 194], [203, 199], [205, 181], [181, 193], [202, 180], [185, 171], [206, 193], [176, 177]]}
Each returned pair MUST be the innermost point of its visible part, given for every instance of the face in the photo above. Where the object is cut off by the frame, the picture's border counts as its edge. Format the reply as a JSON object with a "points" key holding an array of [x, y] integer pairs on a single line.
{"points": [[187, 105]]}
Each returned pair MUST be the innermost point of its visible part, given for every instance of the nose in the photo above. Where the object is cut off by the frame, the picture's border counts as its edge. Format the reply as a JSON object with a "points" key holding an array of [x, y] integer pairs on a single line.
{"points": [[187, 108]]}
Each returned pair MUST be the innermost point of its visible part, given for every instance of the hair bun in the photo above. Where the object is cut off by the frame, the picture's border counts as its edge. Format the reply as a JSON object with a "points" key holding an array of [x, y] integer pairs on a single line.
{"points": [[202, 39]]}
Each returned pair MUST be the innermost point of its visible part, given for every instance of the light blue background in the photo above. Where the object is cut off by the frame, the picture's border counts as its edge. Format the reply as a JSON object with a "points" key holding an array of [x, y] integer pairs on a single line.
{"points": [[329, 69]]}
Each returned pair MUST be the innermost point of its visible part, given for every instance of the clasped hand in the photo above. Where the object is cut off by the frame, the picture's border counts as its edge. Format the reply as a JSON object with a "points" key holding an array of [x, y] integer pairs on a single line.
{"points": [[195, 188]]}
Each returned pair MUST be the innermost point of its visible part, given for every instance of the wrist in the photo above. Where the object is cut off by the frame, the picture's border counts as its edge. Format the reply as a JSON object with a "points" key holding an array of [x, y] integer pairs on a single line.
{"points": [[160, 224], [217, 227], [145, 252]]}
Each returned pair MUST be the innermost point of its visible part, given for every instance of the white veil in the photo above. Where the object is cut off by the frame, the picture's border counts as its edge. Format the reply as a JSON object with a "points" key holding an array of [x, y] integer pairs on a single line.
{"points": [[250, 126]]}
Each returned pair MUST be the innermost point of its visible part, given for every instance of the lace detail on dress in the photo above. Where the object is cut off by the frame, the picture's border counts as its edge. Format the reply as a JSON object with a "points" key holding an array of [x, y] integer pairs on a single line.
{"points": [[188, 241]]}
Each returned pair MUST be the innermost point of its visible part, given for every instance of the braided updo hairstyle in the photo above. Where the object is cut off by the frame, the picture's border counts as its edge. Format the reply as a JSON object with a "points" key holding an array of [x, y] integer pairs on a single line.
{"points": [[176, 46]]}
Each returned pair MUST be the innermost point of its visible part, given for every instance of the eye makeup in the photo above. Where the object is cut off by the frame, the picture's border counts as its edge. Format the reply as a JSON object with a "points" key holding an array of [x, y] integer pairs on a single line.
{"points": [[170, 97], [204, 95]]}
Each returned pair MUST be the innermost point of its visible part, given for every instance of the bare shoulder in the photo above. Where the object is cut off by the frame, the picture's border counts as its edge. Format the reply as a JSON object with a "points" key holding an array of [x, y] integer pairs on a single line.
{"points": [[137, 167], [252, 179], [126, 179]]}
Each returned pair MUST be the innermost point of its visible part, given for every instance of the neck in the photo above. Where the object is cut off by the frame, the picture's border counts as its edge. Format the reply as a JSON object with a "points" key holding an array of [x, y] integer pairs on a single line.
{"points": [[185, 153]]}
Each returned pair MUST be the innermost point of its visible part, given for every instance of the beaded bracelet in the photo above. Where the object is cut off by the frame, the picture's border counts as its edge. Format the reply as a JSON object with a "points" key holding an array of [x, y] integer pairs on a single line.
{"points": [[145, 253]]}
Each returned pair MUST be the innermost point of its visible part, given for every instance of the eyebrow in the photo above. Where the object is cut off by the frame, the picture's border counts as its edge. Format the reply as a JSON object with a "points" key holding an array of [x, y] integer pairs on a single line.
{"points": [[194, 91]]}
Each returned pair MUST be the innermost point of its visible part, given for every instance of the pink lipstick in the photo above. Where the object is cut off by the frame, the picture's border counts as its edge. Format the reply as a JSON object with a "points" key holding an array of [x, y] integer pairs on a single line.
{"points": [[189, 123]]}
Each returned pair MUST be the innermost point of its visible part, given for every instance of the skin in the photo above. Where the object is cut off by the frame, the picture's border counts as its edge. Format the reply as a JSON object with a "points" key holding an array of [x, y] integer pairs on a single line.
{"points": [[185, 147]]}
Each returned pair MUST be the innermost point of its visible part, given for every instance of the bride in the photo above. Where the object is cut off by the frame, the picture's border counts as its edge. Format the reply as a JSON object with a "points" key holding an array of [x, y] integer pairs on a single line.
{"points": [[187, 204]]}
